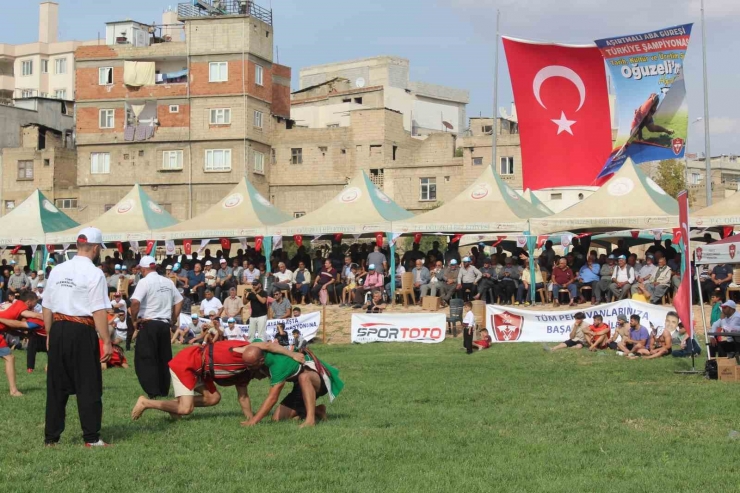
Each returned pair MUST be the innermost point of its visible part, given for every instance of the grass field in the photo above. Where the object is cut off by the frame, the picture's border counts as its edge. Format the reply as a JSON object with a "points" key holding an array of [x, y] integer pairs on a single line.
{"points": [[411, 418]]}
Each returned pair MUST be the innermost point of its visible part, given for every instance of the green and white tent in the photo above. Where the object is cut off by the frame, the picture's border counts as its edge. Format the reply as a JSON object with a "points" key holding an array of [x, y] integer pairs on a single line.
{"points": [[242, 213], [133, 218], [360, 208], [32, 220], [532, 198], [629, 200], [488, 205]]}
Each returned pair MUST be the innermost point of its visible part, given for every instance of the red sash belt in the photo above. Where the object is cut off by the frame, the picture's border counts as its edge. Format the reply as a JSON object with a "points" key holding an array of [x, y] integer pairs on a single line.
{"points": [[89, 321]]}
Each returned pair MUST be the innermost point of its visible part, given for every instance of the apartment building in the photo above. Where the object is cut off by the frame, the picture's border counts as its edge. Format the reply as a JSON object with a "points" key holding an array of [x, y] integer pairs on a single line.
{"points": [[44, 68], [185, 119]]}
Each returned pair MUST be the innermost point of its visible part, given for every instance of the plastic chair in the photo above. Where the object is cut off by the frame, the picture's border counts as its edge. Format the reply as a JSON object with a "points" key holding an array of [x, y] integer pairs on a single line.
{"points": [[407, 288], [455, 316]]}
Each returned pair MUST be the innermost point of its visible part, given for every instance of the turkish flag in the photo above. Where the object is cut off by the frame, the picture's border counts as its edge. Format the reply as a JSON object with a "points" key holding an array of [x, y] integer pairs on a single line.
{"points": [[15, 250], [119, 247], [150, 246], [562, 105], [727, 231], [635, 234], [499, 239], [379, 239], [338, 238], [541, 240], [298, 239], [226, 246], [187, 246], [456, 238], [417, 238], [50, 248], [682, 297], [258, 243]]}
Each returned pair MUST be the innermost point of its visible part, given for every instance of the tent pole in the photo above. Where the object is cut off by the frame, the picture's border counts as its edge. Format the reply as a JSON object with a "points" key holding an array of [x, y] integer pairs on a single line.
{"points": [[393, 266], [323, 324], [531, 245], [703, 319]]}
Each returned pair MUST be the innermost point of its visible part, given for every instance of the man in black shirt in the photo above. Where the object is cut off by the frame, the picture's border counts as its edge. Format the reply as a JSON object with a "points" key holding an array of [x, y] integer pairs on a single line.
{"points": [[435, 251], [257, 299], [409, 258]]}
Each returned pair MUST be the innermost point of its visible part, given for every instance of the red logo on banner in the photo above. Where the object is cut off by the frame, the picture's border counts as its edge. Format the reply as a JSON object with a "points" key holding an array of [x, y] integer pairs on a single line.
{"points": [[732, 251], [507, 327], [563, 110], [698, 253], [677, 145], [635, 234], [298, 239], [226, 245], [187, 246], [258, 243]]}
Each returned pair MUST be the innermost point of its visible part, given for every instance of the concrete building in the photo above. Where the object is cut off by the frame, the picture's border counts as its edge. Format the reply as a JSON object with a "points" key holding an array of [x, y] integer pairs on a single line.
{"points": [[328, 91], [41, 69], [185, 119], [725, 178]]}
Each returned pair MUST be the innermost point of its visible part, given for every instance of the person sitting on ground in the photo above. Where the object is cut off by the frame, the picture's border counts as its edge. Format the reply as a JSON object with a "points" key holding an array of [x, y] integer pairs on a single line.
{"points": [[232, 332], [186, 333], [211, 332], [577, 338], [688, 345], [233, 306], [589, 276], [563, 278], [621, 331], [375, 304], [281, 337], [638, 340], [661, 338], [523, 292], [508, 280], [211, 303], [373, 282], [193, 372], [484, 342], [730, 322], [296, 312], [117, 358], [298, 341], [655, 286], [597, 335], [350, 283], [312, 379], [118, 327], [280, 306], [421, 276], [324, 279], [622, 278]]}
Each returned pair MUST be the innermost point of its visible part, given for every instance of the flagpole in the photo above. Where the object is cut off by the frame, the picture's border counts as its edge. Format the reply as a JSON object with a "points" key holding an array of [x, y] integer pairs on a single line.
{"points": [[494, 127], [707, 153]]}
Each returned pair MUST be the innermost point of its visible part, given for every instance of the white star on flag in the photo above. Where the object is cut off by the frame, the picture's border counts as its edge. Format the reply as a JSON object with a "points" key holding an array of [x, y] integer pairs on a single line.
{"points": [[564, 124]]}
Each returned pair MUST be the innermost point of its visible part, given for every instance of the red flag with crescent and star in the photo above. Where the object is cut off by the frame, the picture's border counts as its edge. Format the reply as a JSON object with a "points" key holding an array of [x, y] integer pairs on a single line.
{"points": [[562, 105]]}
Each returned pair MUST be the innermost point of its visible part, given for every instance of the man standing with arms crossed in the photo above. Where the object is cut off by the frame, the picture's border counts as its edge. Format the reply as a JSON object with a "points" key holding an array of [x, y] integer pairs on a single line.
{"points": [[155, 307], [75, 307]]}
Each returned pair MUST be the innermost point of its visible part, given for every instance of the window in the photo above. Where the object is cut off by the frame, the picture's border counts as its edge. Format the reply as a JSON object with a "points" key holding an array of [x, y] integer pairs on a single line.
{"points": [[695, 179], [332, 125], [218, 72], [218, 160], [44, 66], [477, 161], [556, 196], [9, 205], [60, 66], [66, 203], [174, 108], [395, 149], [27, 67], [346, 100], [258, 119], [141, 153], [296, 156], [258, 74], [298, 214], [376, 150], [507, 165], [25, 170], [108, 207], [377, 176], [323, 150], [60, 94], [105, 76], [358, 100], [47, 162], [273, 156], [171, 160], [106, 118], [27, 93], [259, 163], [487, 129], [220, 116], [100, 163], [125, 157], [427, 189]]}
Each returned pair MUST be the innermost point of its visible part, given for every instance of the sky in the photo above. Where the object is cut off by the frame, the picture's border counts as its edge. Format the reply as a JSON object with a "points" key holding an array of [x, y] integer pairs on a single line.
{"points": [[452, 42]]}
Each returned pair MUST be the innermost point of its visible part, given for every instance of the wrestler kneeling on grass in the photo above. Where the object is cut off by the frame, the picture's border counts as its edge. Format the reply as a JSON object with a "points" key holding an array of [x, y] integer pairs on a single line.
{"points": [[310, 380], [196, 370]]}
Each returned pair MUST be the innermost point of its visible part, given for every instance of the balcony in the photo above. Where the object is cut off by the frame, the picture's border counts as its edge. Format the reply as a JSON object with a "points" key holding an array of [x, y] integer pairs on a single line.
{"points": [[197, 9]]}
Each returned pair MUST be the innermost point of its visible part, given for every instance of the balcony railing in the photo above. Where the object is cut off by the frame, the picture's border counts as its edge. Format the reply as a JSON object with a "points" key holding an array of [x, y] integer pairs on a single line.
{"points": [[216, 8]]}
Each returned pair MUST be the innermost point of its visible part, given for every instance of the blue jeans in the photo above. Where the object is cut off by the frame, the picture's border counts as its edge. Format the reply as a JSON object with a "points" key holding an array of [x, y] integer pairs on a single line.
{"points": [[571, 289]]}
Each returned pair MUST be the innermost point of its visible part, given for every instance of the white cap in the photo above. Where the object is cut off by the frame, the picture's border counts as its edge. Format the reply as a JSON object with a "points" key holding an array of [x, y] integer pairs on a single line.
{"points": [[117, 267], [208, 262], [169, 267], [147, 261], [223, 260], [41, 273], [91, 235], [729, 304], [40, 285], [466, 259], [453, 262], [371, 267]]}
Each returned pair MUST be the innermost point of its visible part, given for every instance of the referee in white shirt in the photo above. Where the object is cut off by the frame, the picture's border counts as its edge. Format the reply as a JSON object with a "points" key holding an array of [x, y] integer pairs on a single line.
{"points": [[155, 307], [75, 306]]}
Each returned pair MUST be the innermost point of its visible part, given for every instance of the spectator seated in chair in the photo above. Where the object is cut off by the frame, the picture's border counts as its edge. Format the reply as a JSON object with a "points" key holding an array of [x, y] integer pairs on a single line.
{"points": [[301, 283], [563, 278], [487, 281], [508, 281], [373, 282], [655, 286], [375, 304], [224, 279], [730, 322], [324, 279], [196, 283], [467, 279], [622, 278], [523, 292], [644, 273], [233, 306], [601, 288], [421, 277], [720, 277], [282, 280], [589, 276], [280, 307], [400, 271], [349, 284], [436, 280]]}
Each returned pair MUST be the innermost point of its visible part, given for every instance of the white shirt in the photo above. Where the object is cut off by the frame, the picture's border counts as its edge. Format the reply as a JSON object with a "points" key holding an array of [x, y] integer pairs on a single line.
{"points": [[76, 288], [208, 306], [120, 305], [233, 335], [121, 328], [469, 319], [157, 296], [284, 277], [211, 276], [251, 275], [647, 271], [623, 275]]}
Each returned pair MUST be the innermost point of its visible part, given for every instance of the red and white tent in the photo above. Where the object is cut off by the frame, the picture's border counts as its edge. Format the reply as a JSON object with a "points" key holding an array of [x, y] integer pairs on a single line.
{"points": [[725, 251]]}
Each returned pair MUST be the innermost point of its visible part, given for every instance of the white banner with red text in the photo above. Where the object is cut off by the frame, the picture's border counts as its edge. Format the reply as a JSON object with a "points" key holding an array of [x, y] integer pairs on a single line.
{"points": [[307, 324], [506, 324], [398, 327]]}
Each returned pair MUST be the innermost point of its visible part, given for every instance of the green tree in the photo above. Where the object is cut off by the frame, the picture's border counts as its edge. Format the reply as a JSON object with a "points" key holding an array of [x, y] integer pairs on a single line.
{"points": [[671, 177]]}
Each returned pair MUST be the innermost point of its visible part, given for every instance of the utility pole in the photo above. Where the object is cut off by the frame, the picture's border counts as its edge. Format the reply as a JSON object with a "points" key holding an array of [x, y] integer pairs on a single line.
{"points": [[707, 153], [494, 127]]}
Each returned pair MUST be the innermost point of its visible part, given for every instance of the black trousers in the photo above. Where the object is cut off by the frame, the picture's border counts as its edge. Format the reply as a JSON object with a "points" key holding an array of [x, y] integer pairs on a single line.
{"points": [[153, 353], [129, 332], [36, 343], [505, 290], [468, 333], [74, 368]]}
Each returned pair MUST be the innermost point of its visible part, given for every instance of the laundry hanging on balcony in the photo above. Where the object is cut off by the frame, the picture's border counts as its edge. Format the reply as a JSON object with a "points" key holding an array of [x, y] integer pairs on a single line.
{"points": [[137, 74]]}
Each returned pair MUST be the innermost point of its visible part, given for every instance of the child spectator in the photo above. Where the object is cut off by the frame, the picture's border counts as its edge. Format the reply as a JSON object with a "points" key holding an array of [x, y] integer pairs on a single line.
{"points": [[468, 327], [484, 342], [281, 337], [351, 284], [298, 341]]}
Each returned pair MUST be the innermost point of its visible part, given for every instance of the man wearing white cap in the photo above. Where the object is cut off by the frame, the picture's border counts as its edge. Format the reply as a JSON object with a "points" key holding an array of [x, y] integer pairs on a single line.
{"points": [[114, 278], [211, 274], [155, 308], [75, 307], [730, 322]]}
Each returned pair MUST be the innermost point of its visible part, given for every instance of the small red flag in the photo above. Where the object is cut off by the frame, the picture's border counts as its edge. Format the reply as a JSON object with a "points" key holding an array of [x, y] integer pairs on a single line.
{"points": [[676, 235], [298, 239], [258, 243], [226, 245], [456, 238], [338, 238], [150, 246], [379, 239], [727, 231], [541, 240], [50, 248], [187, 246], [499, 239], [16, 250], [635, 234], [119, 247], [417, 238]]}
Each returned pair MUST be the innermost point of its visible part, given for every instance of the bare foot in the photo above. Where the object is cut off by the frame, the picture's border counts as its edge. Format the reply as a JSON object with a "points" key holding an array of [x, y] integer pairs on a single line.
{"points": [[16, 393], [321, 412], [308, 424], [138, 409], [124, 366], [175, 416]]}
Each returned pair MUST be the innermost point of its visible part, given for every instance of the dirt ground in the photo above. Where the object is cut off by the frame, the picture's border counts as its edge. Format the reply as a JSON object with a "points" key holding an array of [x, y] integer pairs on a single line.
{"points": [[338, 319]]}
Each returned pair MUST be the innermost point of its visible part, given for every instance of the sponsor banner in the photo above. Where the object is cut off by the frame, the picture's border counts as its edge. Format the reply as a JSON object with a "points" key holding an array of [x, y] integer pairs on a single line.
{"points": [[398, 327], [722, 253], [308, 324], [507, 324], [647, 74]]}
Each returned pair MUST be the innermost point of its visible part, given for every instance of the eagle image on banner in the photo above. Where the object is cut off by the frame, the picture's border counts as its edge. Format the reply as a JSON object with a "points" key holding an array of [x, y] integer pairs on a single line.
{"points": [[563, 106], [647, 73]]}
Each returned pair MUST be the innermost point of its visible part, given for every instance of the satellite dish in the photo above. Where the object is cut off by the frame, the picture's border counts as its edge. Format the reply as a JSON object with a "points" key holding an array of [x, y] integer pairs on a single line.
{"points": [[447, 125], [360, 82]]}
